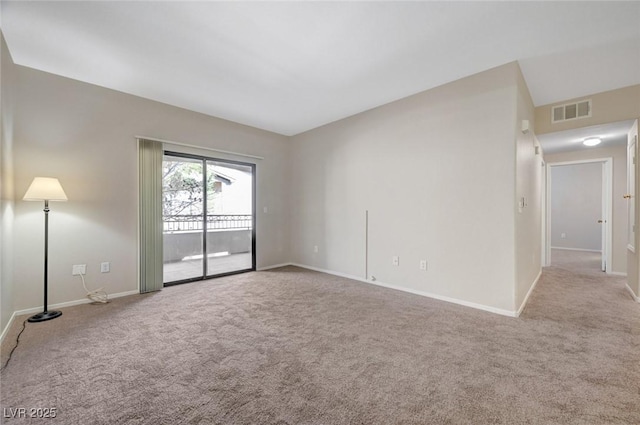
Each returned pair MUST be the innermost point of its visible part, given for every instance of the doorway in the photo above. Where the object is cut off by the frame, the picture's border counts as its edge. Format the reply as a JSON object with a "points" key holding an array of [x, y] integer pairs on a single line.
{"points": [[578, 210], [208, 216]]}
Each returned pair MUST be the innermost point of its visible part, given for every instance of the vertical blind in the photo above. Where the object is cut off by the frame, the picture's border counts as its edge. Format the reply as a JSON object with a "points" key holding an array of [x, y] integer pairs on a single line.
{"points": [[150, 184]]}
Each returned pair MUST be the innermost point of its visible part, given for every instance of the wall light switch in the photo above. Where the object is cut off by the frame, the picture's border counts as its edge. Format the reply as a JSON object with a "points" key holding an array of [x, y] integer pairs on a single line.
{"points": [[315, 248], [423, 264], [396, 260]]}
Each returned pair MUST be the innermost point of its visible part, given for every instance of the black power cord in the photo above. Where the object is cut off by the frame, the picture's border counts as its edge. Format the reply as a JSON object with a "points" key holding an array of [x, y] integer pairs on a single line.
{"points": [[24, 326]]}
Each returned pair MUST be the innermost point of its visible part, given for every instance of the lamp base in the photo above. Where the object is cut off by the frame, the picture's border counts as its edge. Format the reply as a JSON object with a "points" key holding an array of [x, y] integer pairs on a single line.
{"points": [[45, 315]]}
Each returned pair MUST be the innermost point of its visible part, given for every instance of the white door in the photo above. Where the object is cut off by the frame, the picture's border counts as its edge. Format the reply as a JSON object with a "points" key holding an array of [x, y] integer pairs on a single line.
{"points": [[631, 189], [602, 204]]}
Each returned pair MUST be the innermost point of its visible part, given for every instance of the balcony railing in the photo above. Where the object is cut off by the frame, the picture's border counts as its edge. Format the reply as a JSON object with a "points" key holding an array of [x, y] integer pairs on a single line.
{"points": [[186, 223]]}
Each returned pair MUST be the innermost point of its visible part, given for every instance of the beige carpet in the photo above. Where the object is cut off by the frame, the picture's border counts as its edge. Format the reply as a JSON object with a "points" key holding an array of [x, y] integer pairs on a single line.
{"points": [[577, 261], [291, 346]]}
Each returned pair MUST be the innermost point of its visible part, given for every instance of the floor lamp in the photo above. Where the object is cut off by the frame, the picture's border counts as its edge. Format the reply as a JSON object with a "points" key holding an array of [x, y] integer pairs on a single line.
{"points": [[45, 189]]}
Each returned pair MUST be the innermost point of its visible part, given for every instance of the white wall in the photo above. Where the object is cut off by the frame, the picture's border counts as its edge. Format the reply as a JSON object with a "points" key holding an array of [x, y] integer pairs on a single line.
{"points": [[619, 155], [6, 185], [439, 173], [436, 171], [234, 198], [606, 107], [528, 218], [85, 136], [576, 206]]}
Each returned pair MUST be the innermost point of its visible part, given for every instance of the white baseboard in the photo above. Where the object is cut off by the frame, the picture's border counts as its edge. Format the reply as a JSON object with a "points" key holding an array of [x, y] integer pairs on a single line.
{"points": [[529, 292], [6, 328], [413, 291], [275, 266], [59, 305], [617, 274], [334, 273], [577, 249], [633, 295]]}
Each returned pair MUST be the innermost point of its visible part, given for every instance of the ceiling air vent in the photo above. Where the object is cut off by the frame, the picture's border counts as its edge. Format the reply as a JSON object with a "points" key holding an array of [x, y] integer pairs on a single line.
{"points": [[571, 111]]}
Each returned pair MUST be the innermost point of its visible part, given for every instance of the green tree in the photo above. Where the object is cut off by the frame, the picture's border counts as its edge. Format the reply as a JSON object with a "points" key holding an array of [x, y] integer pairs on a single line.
{"points": [[182, 192]]}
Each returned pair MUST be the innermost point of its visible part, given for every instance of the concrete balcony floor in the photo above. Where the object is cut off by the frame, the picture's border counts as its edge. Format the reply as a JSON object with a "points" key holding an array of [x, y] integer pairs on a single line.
{"points": [[188, 269]]}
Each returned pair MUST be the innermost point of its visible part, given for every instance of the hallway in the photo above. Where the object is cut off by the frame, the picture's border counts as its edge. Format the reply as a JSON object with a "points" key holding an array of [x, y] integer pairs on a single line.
{"points": [[578, 261], [574, 291]]}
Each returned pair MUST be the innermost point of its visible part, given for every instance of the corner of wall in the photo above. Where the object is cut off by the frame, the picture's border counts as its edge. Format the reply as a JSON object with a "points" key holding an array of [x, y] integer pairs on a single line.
{"points": [[528, 191], [6, 186], [433, 169]]}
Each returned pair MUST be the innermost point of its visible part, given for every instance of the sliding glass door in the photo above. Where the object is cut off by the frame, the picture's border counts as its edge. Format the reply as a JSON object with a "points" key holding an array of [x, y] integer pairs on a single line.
{"points": [[208, 217]]}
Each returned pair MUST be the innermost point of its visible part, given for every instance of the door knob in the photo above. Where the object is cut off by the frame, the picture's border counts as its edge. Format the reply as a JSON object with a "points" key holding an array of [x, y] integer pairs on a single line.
{"points": [[602, 221]]}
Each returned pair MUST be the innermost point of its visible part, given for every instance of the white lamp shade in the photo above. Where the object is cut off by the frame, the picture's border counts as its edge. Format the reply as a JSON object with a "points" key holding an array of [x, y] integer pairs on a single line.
{"points": [[45, 189]]}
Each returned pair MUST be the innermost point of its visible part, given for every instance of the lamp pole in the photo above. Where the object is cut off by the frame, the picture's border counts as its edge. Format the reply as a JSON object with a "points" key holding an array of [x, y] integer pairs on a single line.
{"points": [[45, 189], [46, 253], [46, 314]]}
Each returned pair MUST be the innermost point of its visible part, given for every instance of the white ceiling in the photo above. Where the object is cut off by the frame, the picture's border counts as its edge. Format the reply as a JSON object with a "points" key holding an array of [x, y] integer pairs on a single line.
{"points": [[571, 140], [289, 67]]}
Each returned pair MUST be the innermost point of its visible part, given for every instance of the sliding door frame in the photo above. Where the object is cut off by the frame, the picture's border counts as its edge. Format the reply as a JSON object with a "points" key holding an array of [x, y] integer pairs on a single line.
{"points": [[204, 160]]}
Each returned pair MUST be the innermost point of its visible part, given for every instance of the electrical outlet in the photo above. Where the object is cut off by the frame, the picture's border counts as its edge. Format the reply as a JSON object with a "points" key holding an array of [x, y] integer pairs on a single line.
{"points": [[315, 248], [563, 236], [396, 260], [78, 269], [423, 264], [105, 267]]}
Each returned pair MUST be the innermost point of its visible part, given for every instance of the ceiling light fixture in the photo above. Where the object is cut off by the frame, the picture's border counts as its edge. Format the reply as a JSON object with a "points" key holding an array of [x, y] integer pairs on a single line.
{"points": [[592, 141]]}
